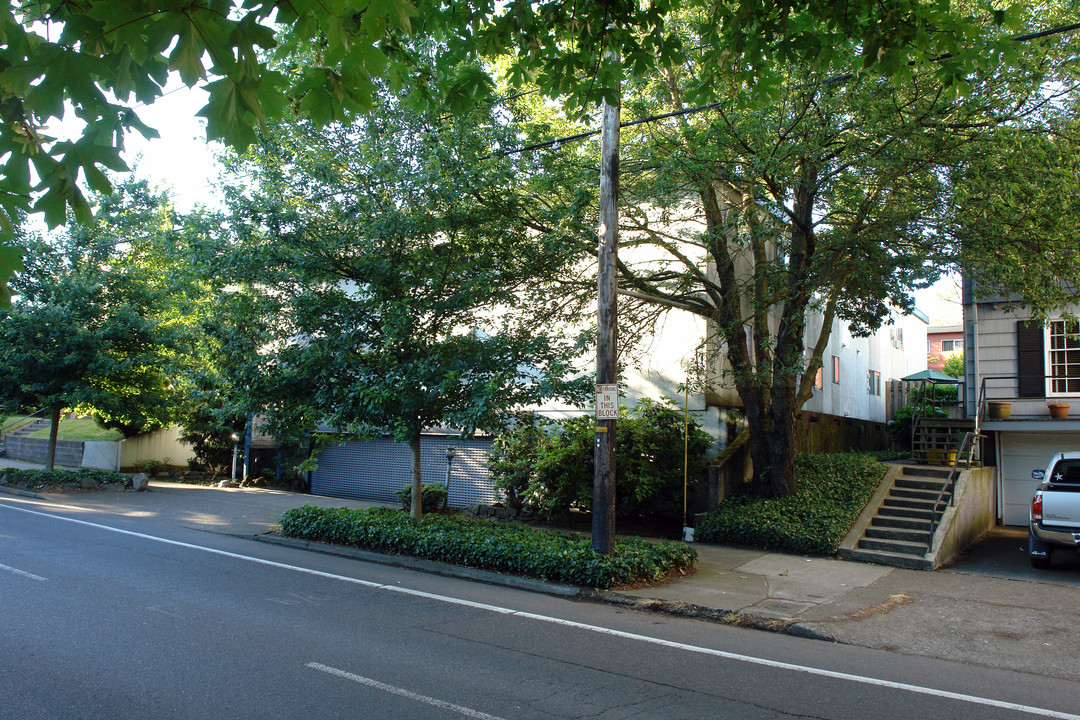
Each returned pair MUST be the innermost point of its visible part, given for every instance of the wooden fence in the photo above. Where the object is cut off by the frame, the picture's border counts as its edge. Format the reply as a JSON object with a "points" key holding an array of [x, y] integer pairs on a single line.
{"points": [[899, 394]]}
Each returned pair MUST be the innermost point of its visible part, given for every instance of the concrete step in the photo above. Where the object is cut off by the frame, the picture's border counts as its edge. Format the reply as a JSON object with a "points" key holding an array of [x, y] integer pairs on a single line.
{"points": [[913, 504], [903, 523], [904, 512], [910, 535], [899, 547], [886, 558], [924, 471], [33, 427], [918, 494], [916, 483]]}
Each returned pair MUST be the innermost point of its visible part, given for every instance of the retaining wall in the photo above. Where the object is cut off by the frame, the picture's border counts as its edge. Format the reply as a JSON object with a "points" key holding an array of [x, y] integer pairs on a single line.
{"points": [[69, 453], [101, 455], [973, 514]]}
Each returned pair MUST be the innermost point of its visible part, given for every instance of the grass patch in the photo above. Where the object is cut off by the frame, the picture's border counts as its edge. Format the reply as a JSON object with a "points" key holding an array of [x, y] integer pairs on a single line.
{"points": [[501, 547], [11, 423], [833, 489], [62, 480], [80, 429]]}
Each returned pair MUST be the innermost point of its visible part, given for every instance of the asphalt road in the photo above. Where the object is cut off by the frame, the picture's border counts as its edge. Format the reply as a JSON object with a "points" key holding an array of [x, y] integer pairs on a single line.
{"points": [[126, 617]]}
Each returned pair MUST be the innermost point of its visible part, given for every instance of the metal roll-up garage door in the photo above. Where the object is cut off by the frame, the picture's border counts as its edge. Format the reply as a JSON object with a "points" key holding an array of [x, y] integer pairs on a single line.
{"points": [[376, 469]]}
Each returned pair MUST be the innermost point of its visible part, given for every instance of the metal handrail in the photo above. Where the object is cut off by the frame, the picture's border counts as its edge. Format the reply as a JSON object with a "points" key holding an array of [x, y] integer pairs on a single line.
{"points": [[21, 420], [980, 407], [950, 482], [983, 389]]}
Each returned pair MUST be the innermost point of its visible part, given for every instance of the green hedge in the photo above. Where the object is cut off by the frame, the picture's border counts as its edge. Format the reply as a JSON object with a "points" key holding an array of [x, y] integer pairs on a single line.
{"points": [[547, 465], [501, 547], [61, 479], [833, 489], [432, 496]]}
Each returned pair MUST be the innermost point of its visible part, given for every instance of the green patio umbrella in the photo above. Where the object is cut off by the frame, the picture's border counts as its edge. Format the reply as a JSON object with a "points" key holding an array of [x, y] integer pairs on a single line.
{"points": [[933, 377]]}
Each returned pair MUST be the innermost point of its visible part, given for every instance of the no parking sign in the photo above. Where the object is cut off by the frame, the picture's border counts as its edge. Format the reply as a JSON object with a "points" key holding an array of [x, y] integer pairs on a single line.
{"points": [[607, 402]]}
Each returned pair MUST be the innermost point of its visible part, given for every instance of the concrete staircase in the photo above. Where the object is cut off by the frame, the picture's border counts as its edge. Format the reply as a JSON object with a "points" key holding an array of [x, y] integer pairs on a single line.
{"points": [[897, 533]]}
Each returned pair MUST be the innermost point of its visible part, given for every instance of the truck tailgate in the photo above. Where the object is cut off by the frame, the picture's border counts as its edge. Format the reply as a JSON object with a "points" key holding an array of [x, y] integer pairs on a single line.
{"points": [[1061, 508]]}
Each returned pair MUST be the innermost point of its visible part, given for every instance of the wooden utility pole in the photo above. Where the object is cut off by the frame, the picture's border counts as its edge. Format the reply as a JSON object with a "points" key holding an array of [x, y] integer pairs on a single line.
{"points": [[603, 501]]}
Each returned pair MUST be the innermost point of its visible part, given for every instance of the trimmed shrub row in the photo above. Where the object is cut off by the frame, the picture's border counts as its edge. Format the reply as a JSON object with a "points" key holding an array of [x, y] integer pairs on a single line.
{"points": [[833, 489], [62, 479], [502, 547]]}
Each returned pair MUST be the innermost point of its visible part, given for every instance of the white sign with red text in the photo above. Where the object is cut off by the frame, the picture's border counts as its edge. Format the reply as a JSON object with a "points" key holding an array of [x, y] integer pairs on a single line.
{"points": [[607, 402]]}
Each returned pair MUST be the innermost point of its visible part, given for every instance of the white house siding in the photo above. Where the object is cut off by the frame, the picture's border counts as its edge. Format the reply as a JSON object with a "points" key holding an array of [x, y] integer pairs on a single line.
{"points": [[656, 369], [661, 366], [891, 353]]}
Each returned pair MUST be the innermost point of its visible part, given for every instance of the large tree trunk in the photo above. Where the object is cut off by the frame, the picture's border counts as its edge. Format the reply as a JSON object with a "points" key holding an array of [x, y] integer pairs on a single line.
{"points": [[416, 510], [54, 427], [772, 438]]}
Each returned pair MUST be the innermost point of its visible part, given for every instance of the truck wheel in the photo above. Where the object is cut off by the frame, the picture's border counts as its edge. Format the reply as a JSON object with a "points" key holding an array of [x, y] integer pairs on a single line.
{"points": [[1039, 554]]}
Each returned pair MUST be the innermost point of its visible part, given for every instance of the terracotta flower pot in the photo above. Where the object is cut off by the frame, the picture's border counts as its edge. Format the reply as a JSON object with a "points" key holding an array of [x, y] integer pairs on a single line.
{"points": [[1058, 411]]}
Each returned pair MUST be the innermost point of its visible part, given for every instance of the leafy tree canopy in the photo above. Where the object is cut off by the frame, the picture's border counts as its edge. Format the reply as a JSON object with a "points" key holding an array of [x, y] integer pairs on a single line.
{"points": [[93, 326], [322, 60], [394, 284], [779, 222], [954, 365]]}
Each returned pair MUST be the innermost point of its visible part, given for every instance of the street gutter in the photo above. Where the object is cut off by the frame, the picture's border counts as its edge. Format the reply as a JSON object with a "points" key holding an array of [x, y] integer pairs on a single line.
{"points": [[610, 597]]}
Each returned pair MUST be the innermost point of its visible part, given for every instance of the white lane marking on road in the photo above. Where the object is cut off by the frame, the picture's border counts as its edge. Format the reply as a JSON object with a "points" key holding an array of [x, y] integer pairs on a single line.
{"points": [[402, 692], [22, 573], [737, 657], [158, 609]]}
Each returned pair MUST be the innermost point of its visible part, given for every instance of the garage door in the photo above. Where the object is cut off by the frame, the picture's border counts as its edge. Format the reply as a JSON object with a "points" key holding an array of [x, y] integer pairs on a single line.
{"points": [[1020, 454], [376, 469]]}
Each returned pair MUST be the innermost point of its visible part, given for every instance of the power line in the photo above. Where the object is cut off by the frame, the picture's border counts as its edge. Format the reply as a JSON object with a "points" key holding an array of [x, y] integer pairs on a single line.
{"points": [[558, 142]]}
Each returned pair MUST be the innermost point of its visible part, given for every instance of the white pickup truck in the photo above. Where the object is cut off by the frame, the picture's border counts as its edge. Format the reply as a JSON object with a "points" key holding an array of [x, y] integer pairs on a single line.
{"points": [[1055, 509]]}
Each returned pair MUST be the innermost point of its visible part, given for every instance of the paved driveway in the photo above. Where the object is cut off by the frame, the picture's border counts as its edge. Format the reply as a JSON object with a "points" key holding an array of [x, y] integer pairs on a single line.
{"points": [[1002, 552]]}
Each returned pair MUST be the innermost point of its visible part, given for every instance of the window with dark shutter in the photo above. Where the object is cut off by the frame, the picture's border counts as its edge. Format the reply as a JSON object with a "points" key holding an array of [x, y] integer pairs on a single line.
{"points": [[1030, 359]]}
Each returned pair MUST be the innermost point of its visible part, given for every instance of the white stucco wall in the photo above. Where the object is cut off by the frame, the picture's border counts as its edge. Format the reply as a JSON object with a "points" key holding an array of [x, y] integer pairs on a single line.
{"points": [[892, 354], [162, 445], [101, 455]]}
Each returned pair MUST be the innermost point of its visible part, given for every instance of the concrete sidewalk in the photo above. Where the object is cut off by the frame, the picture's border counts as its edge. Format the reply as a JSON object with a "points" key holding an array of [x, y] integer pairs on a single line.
{"points": [[1020, 624]]}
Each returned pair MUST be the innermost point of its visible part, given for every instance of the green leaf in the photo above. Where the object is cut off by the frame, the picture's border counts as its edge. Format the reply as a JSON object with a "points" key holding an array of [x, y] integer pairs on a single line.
{"points": [[187, 56], [10, 263], [228, 114]]}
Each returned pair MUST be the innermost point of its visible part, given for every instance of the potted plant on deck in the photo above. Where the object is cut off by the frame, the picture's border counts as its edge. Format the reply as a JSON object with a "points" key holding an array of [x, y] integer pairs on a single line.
{"points": [[1058, 410]]}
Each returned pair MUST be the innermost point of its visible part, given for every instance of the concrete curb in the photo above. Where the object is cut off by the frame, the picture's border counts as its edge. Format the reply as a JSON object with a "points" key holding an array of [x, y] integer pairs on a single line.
{"points": [[788, 626], [429, 566], [21, 493]]}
